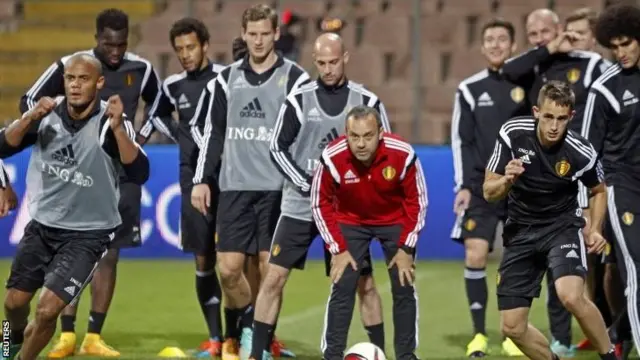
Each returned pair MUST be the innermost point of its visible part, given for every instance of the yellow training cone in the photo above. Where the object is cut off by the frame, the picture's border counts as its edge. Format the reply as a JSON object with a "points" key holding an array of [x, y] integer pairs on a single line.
{"points": [[172, 352]]}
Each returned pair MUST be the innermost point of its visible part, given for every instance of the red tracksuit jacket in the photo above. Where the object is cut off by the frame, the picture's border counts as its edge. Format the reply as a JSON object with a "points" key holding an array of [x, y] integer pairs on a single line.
{"points": [[392, 191]]}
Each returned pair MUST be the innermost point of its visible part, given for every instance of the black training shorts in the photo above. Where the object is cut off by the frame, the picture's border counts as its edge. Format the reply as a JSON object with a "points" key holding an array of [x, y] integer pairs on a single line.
{"points": [[531, 250], [247, 220], [61, 260], [128, 233], [479, 221], [197, 231]]}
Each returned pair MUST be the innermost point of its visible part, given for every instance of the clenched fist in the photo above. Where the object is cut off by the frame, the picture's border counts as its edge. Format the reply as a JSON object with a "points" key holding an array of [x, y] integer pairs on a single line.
{"points": [[43, 107], [115, 112], [513, 169]]}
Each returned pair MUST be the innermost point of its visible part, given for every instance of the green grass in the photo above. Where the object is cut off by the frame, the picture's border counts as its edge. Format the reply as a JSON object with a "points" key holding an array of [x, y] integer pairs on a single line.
{"points": [[155, 306]]}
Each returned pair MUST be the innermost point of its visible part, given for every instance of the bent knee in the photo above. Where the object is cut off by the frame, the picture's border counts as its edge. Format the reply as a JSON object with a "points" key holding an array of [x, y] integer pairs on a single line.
{"points": [[275, 279], [570, 300], [16, 300], [513, 323], [514, 330], [367, 287], [476, 251], [46, 312]]}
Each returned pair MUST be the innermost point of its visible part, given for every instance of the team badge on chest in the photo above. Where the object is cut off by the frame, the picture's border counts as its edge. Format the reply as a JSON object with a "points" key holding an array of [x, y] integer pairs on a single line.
{"points": [[388, 173], [573, 75], [562, 167]]}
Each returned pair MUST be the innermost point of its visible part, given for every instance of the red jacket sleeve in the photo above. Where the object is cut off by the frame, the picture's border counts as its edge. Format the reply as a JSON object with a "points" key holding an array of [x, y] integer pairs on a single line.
{"points": [[415, 203], [323, 189]]}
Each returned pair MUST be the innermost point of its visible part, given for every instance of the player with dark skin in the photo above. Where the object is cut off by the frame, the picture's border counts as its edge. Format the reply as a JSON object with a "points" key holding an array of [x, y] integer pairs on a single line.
{"points": [[83, 81], [111, 46]]}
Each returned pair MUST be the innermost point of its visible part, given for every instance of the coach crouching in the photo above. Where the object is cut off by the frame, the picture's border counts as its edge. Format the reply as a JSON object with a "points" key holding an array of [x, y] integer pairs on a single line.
{"points": [[369, 185]]}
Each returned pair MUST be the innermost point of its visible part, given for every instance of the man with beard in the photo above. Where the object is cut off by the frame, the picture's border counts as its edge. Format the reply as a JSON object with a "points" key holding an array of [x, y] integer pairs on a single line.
{"points": [[181, 93], [79, 145], [130, 77]]}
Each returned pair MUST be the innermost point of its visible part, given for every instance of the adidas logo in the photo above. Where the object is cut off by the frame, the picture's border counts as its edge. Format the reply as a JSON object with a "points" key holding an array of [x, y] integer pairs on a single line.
{"points": [[572, 254], [476, 306], [183, 102], [314, 115], [331, 135], [628, 98], [525, 159], [485, 100], [253, 110], [350, 175], [71, 290], [65, 156]]}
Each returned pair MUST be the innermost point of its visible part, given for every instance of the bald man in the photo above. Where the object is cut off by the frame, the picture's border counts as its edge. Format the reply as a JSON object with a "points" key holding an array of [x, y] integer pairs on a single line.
{"points": [[554, 57], [310, 118], [80, 143]]}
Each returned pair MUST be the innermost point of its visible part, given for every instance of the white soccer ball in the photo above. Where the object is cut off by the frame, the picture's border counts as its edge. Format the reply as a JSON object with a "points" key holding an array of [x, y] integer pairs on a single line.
{"points": [[364, 351]]}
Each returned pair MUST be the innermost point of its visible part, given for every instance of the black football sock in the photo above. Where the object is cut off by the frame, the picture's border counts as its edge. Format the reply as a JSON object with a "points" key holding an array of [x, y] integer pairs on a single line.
{"points": [[16, 337], [68, 323], [246, 317], [261, 334], [376, 335], [272, 334], [209, 295], [231, 323], [611, 355], [475, 281], [96, 321]]}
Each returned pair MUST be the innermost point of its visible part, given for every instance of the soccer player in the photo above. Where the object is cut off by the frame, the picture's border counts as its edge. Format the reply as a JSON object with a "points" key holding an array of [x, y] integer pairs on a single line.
{"points": [[130, 77], [536, 164], [369, 184], [555, 57], [582, 22], [8, 197], [80, 144], [612, 126], [484, 101], [244, 102], [309, 119], [181, 93], [252, 265]]}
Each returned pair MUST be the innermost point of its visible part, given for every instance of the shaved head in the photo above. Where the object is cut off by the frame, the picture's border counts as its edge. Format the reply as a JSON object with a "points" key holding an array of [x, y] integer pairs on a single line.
{"points": [[330, 57], [85, 59], [329, 42], [544, 14], [543, 25], [82, 81]]}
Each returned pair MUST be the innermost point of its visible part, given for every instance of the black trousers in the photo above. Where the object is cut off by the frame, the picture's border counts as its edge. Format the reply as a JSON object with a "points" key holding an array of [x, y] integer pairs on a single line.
{"points": [[343, 295]]}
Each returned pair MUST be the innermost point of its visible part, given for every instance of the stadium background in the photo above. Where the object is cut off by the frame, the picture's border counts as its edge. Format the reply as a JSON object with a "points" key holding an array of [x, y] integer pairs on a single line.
{"points": [[412, 53]]}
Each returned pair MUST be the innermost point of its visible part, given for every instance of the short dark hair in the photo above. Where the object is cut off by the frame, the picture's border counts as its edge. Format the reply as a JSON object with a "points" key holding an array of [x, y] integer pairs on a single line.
{"points": [[238, 49], [259, 12], [187, 26], [499, 22], [618, 21], [559, 92], [363, 111], [114, 19], [585, 13]]}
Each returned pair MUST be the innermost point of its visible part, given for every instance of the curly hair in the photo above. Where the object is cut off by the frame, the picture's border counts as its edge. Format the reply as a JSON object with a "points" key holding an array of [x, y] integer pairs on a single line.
{"points": [[618, 21], [114, 19], [187, 26]]}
